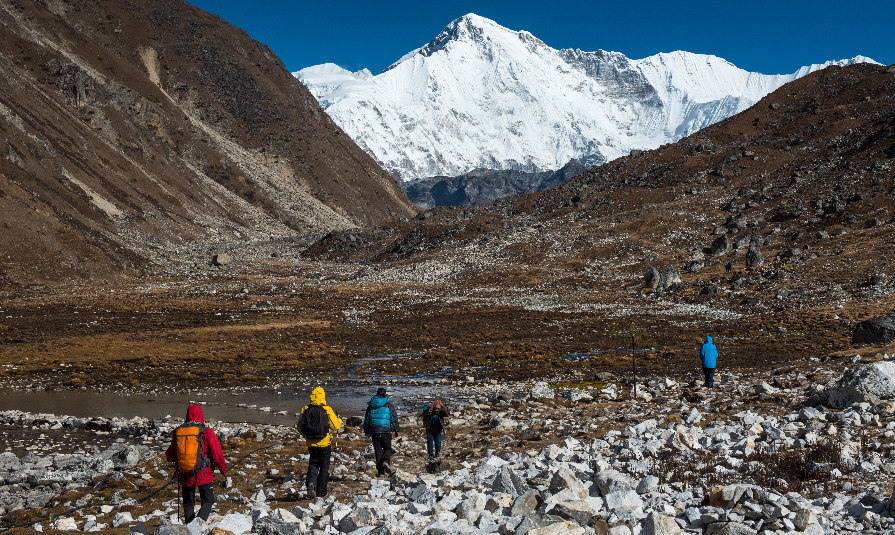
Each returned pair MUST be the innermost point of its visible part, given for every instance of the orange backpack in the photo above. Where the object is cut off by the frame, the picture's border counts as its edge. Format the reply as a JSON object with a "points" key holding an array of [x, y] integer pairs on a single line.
{"points": [[188, 446]]}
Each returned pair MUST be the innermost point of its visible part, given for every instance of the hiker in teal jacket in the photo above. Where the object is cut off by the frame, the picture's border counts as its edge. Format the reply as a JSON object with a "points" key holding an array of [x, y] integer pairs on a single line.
{"points": [[709, 357], [379, 423]]}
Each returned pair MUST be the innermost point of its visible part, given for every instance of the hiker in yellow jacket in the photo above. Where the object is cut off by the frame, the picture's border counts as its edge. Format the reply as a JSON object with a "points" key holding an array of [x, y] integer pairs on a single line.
{"points": [[314, 423]]}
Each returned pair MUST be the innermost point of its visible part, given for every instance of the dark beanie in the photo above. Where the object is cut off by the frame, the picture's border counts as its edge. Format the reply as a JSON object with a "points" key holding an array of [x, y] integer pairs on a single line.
{"points": [[381, 392]]}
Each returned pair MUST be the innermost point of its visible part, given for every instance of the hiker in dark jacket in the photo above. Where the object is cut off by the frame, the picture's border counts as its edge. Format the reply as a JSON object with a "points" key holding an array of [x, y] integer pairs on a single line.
{"points": [[204, 478], [434, 418], [709, 357], [379, 423]]}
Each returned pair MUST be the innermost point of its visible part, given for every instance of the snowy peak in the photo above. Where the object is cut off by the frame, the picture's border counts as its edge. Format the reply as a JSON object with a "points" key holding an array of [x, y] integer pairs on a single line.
{"points": [[483, 96]]}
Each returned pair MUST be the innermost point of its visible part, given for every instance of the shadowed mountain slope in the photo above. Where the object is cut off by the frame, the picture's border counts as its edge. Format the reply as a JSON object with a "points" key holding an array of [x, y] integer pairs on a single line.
{"points": [[485, 185], [128, 127]]}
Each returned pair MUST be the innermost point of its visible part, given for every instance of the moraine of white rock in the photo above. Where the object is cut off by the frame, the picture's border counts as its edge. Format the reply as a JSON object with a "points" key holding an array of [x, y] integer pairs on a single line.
{"points": [[616, 484], [484, 96]]}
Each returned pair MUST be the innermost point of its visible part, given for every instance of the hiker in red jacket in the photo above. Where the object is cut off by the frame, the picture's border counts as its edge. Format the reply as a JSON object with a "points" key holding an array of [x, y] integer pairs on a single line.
{"points": [[204, 478]]}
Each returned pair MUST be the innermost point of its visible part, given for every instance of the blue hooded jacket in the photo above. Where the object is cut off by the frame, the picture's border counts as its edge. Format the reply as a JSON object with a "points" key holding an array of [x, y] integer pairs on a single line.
{"points": [[708, 353], [380, 416]]}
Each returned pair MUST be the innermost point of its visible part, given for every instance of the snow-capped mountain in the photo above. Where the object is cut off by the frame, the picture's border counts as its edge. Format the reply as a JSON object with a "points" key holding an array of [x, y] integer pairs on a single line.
{"points": [[483, 96]]}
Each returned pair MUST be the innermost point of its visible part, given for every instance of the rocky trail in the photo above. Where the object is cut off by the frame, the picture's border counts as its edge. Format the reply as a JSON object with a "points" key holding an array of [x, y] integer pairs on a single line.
{"points": [[770, 452]]}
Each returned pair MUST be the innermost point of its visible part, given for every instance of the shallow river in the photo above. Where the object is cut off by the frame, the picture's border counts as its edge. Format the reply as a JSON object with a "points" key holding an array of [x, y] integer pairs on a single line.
{"points": [[223, 406]]}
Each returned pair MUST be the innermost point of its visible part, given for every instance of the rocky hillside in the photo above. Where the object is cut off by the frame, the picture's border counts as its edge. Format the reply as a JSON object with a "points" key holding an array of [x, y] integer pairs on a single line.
{"points": [[798, 189], [128, 128], [485, 185]]}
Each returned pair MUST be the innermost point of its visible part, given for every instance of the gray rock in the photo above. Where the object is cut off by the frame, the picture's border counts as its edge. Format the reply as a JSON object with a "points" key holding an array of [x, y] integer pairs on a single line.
{"points": [[471, 508], [361, 516], [613, 481], [126, 458], [865, 383], [578, 511], [9, 462], [764, 388], [576, 394], [272, 526], [122, 518], [720, 245], [541, 390], [526, 503], [220, 259], [669, 277], [626, 498], [729, 528], [354, 421], [564, 479], [709, 290], [803, 518], [508, 481], [656, 524], [875, 330], [877, 279], [171, 530], [559, 528], [695, 266], [39, 500], [533, 521], [754, 257], [502, 424], [648, 484], [810, 413], [651, 277], [427, 498]]}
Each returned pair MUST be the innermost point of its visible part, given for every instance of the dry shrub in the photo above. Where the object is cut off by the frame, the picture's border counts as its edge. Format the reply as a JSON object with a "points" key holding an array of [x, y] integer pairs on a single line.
{"points": [[782, 469]]}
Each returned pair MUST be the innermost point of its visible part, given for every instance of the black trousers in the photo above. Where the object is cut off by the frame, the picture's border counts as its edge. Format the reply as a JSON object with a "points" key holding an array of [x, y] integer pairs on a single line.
{"points": [[206, 494], [709, 377], [382, 449], [318, 469]]}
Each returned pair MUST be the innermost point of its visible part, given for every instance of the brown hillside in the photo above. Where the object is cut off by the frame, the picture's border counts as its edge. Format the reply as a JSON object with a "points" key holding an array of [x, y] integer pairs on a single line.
{"points": [[806, 176], [130, 127]]}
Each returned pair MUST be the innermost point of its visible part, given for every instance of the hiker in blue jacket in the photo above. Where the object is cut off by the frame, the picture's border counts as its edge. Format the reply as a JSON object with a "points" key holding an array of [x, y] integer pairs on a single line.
{"points": [[379, 423], [709, 356], [434, 418]]}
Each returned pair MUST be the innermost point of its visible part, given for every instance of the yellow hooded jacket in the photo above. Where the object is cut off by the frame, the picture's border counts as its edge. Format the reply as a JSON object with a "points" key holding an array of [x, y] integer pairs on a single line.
{"points": [[318, 397]]}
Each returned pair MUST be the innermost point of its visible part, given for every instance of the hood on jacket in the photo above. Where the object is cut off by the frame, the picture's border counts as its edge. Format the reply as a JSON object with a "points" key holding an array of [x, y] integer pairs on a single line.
{"points": [[708, 339], [318, 396], [377, 401], [194, 414]]}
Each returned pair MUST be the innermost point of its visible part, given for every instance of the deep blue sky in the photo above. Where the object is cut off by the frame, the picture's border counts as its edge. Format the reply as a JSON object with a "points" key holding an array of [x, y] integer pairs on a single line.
{"points": [[771, 37]]}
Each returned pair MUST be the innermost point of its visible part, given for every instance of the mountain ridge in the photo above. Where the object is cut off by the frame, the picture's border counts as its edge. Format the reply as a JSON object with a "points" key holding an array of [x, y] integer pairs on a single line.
{"points": [[482, 96]]}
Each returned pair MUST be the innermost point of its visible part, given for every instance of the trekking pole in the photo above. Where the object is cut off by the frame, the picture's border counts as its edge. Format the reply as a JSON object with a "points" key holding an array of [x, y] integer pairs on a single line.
{"points": [[634, 361]]}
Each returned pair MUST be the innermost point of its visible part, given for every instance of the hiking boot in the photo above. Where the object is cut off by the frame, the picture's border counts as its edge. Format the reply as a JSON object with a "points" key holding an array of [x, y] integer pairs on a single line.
{"points": [[311, 492], [387, 469], [431, 457]]}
